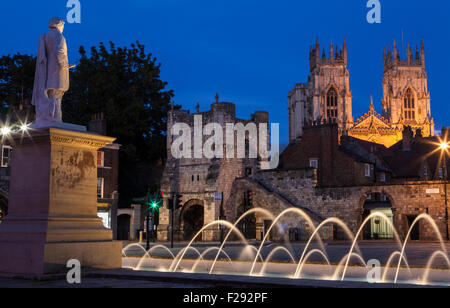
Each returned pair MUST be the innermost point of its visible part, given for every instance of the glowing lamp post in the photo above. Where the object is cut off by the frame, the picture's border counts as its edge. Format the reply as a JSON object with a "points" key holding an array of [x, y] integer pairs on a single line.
{"points": [[444, 147]]}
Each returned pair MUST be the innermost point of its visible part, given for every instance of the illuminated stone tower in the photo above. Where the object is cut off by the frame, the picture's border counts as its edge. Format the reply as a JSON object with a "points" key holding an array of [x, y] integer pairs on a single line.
{"points": [[406, 100], [327, 96]]}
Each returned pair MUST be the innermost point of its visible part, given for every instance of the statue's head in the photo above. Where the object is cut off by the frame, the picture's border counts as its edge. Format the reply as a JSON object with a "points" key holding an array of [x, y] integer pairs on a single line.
{"points": [[56, 23]]}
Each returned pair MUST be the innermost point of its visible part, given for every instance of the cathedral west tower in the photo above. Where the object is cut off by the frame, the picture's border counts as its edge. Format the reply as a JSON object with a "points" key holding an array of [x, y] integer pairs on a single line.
{"points": [[406, 100], [326, 97]]}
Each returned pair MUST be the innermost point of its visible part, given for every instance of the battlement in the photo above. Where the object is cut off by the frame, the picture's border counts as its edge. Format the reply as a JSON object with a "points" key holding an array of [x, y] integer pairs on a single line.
{"points": [[337, 55], [393, 60]]}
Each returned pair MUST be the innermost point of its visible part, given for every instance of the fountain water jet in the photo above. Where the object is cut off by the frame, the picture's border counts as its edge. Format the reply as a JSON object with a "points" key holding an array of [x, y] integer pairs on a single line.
{"points": [[251, 211], [287, 211], [376, 214], [218, 222], [436, 230], [388, 264], [147, 253], [436, 254], [298, 273], [346, 260], [194, 267], [325, 222], [271, 254]]}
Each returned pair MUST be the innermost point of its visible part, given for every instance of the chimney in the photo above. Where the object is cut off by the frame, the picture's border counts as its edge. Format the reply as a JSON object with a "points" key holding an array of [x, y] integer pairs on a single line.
{"points": [[407, 138], [98, 124]]}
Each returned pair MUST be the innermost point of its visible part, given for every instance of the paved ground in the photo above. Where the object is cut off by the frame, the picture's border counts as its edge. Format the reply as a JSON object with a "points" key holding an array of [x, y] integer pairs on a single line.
{"points": [[96, 283], [417, 253]]}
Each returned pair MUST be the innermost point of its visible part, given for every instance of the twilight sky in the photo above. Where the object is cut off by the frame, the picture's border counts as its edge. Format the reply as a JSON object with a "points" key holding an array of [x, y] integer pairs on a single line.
{"points": [[251, 52]]}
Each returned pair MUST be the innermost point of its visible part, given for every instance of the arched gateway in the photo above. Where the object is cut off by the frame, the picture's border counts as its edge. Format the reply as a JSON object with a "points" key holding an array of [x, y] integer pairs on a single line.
{"points": [[192, 218]]}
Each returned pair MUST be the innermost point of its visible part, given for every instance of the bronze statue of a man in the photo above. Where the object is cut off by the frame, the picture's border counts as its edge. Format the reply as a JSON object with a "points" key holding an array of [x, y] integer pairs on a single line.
{"points": [[51, 80]]}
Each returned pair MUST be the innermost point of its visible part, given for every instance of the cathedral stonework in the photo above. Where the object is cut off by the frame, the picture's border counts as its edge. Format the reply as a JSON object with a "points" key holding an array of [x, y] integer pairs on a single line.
{"points": [[406, 100], [326, 97]]}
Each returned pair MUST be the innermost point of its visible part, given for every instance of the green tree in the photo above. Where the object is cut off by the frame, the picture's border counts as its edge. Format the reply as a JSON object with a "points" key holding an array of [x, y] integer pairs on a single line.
{"points": [[122, 82], [16, 85]]}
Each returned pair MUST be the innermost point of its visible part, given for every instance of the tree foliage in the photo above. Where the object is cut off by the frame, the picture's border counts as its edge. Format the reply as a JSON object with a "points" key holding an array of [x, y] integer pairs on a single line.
{"points": [[123, 83]]}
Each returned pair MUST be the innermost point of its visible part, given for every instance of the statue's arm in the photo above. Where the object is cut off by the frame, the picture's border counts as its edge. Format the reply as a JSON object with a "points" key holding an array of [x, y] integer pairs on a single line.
{"points": [[61, 51]]}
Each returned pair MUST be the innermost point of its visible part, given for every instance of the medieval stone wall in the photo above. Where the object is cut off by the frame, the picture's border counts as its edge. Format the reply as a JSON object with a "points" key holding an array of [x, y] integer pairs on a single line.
{"points": [[299, 189]]}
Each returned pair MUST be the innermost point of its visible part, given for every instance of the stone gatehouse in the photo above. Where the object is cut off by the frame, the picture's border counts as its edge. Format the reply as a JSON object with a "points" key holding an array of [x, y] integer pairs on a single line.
{"points": [[204, 184]]}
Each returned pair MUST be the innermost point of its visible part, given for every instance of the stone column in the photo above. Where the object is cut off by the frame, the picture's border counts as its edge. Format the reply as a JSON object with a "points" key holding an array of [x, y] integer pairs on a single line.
{"points": [[53, 205]]}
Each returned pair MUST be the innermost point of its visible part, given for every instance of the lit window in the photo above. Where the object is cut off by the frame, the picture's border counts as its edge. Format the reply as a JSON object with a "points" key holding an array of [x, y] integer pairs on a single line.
{"points": [[6, 156], [409, 105], [332, 104], [382, 177], [100, 184], [314, 163], [100, 159], [367, 170]]}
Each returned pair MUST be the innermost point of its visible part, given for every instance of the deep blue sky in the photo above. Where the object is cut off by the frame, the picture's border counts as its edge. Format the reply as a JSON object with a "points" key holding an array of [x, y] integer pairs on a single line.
{"points": [[251, 52]]}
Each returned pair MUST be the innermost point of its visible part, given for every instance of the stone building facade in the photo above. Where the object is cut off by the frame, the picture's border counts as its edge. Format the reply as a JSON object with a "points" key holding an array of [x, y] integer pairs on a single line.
{"points": [[204, 184], [327, 97]]}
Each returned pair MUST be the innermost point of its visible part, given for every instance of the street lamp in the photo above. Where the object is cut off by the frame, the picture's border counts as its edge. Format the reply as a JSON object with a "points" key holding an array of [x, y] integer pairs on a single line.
{"points": [[5, 131], [24, 127], [444, 147]]}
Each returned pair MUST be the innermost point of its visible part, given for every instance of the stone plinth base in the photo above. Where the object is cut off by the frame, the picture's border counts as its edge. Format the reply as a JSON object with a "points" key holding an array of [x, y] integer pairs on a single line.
{"points": [[53, 205], [39, 259]]}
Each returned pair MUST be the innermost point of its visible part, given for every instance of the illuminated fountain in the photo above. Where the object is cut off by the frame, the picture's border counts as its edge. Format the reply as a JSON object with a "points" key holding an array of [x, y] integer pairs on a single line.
{"points": [[250, 260]]}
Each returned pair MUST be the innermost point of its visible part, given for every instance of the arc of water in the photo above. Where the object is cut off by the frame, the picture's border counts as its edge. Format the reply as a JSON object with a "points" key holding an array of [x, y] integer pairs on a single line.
{"points": [[183, 252], [376, 214], [436, 230], [254, 249], [147, 254], [388, 264], [345, 259], [124, 250], [313, 251], [271, 254], [194, 267], [251, 211], [287, 211], [217, 222], [435, 254], [325, 222]]}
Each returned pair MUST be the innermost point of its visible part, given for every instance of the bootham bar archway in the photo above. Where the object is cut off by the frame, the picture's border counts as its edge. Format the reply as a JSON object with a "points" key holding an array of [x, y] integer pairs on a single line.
{"points": [[192, 218]]}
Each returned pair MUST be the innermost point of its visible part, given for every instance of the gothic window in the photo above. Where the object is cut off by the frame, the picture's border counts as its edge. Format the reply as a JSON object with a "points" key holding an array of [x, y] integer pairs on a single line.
{"points": [[409, 105], [332, 104]]}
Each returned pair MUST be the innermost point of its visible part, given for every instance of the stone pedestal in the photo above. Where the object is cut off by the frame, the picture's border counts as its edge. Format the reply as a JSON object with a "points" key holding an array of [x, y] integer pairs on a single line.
{"points": [[53, 205]]}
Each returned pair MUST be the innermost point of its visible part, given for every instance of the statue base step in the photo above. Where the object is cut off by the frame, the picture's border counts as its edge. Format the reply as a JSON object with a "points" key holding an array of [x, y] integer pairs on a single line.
{"points": [[38, 259]]}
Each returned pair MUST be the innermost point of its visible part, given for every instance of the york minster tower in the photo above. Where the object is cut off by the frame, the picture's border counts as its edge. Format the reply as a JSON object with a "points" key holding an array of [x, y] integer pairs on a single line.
{"points": [[406, 100], [326, 97]]}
